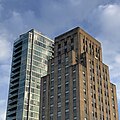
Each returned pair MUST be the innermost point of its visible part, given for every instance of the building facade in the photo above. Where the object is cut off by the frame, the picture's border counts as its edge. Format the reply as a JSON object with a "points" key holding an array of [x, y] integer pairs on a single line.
{"points": [[78, 85], [31, 52]]}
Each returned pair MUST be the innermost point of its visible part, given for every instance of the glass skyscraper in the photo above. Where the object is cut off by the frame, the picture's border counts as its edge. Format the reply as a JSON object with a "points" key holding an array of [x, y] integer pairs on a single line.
{"points": [[31, 52]]}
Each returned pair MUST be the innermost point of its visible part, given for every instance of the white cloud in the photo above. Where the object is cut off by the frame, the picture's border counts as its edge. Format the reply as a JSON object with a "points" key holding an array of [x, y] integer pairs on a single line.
{"points": [[2, 115], [118, 92], [2, 109], [2, 102], [118, 97], [75, 2], [110, 25], [5, 75], [107, 19], [59, 16], [110, 32], [117, 59], [5, 55], [56, 17], [5, 49], [1, 8]]}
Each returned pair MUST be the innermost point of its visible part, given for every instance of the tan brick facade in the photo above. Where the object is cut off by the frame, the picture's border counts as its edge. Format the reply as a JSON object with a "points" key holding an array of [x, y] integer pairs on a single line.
{"points": [[78, 85]]}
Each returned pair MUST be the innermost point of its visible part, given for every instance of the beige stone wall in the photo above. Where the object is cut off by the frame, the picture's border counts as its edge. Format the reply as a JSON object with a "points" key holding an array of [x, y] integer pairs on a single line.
{"points": [[94, 99]]}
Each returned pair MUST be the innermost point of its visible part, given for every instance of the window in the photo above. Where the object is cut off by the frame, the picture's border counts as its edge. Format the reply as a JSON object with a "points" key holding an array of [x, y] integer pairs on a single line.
{"points": [[36, 74], [84, 90], [59, 72], [66, 78], [114, 114], [74, 84], [59, 46], [52, 67], [59, 117], [66, 69], [51, 110], [75, 112], [74, 102], [52, 75], [59, 109], [72, 40], [95, 105], [83, 74], [72, 47], [85, 109], [85, 101], [59, 104], [51, 101], [59, 80], [66, 96], [66, 60], [94, 87], [96, 114], [65, 43], [67, 87], [59, 113], [52, 92], [74, 75], [83, 40], [67, 105], [83, 48], [65, 50], [59, 61], [74, 68], [67, 115], [59, 66], [51, 116], [59, 52], [59, 89], [44, 85], [112, 90], [52, 84], [74, 93], [59, 98]]}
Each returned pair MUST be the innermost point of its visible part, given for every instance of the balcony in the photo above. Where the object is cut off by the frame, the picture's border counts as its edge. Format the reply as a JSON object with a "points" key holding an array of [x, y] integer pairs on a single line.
{"points": [[18, 49], [15, 75], [17, 44], [16, 59], [16, 70], [17, 64], [11, 114], [17, 54], [13, 96], [13, 86], [14, 90], [12, 101], [12, 107], [14, 80], [12, 118]]}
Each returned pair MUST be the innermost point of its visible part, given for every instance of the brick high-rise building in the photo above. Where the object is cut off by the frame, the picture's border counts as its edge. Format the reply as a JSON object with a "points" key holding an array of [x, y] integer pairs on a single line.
{"points": [[78, 85], [31, 52]]}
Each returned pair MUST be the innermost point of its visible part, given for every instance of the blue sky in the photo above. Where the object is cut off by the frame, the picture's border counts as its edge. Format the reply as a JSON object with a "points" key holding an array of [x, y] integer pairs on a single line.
{"points": [[100, 18]]}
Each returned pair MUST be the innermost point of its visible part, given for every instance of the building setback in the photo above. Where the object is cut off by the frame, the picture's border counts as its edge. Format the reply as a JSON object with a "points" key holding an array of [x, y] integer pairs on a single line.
{"points": [[78, 85], [31, 52]]}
